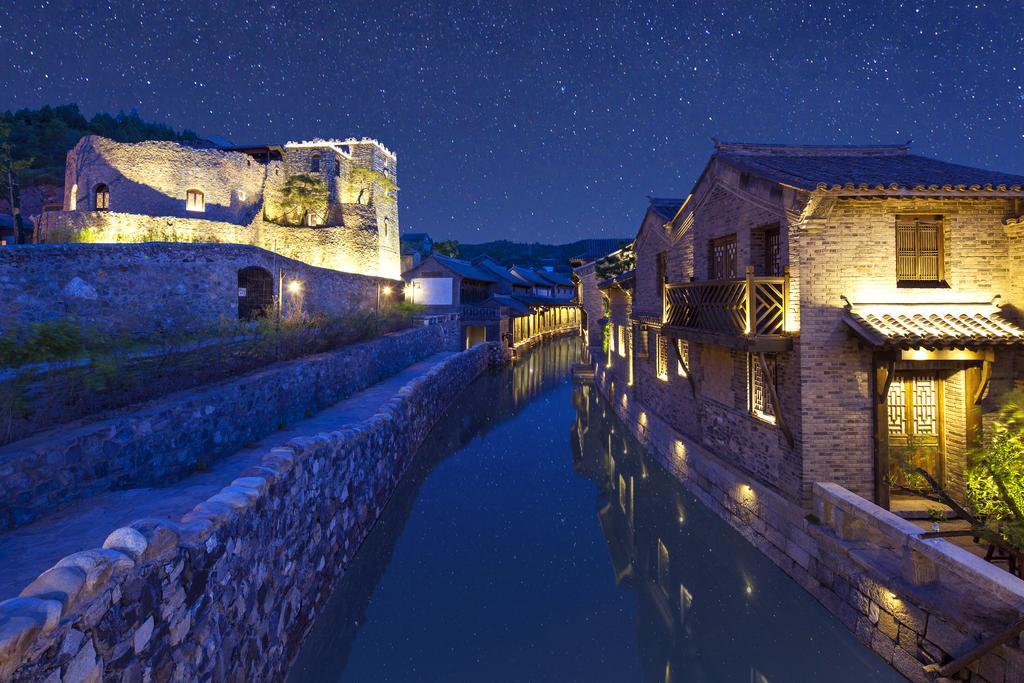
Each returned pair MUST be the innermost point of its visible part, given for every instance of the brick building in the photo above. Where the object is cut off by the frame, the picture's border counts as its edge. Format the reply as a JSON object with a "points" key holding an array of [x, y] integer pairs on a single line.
{"points": [[818, 313]]}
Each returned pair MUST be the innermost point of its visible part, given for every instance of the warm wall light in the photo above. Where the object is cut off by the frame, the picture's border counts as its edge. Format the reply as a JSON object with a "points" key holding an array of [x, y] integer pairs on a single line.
{"points": [[386, 291], [294, 287]]}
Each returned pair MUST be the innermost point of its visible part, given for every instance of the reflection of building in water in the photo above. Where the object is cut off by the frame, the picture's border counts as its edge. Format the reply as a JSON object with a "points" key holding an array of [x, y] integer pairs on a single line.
{"points": [[662, 546]]}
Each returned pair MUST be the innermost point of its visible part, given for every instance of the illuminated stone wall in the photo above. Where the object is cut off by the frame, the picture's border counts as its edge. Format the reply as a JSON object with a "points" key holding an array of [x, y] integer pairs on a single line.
{"points": [[719, 416], [144, 289], [147, 182]]}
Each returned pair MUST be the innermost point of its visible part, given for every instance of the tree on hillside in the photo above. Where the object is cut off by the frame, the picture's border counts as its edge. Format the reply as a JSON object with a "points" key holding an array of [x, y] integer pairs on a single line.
{"points": [[9, 170], [40, 138], [375, 186], [447, 248]]}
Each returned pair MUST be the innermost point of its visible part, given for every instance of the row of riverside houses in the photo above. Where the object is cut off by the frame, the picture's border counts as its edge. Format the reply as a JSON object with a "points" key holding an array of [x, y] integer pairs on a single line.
{"points": [[818, 313], [798, 330], [517, 306]]}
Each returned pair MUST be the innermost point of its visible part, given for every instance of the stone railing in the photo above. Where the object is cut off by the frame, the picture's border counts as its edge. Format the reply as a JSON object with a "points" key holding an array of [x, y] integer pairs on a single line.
{"points": [[230, 591]]}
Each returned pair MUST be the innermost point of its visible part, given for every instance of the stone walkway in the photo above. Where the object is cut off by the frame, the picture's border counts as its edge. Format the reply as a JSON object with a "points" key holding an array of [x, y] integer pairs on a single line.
{"points": [[30, 550]]}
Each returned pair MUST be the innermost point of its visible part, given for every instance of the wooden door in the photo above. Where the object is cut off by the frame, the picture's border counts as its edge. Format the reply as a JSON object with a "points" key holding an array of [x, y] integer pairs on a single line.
{"points": [[915, 424]]}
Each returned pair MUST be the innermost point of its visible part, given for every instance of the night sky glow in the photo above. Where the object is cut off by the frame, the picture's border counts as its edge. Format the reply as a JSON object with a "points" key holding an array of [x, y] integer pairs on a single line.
{"points": [[536, 121]]}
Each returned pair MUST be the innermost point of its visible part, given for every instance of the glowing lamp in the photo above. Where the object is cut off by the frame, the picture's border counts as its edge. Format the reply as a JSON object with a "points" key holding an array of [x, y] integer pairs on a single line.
{"points": [[294, 287], [386, 291]]}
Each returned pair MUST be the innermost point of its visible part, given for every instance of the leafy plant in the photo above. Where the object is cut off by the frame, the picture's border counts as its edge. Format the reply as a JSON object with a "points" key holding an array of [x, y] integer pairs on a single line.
{"points": [[617, 263], [379, 185], [302, 194]]}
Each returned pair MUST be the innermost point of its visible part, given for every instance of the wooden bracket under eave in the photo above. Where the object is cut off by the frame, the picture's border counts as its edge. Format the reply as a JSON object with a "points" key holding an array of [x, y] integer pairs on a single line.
{"points": [[686, 368], [769, 380], [986, 375], [890, 372]]}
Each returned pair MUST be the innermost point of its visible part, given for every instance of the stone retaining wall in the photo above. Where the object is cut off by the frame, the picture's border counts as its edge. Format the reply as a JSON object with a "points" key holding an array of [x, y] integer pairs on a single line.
{"points": [[231, 591], [146, 289], [168, 437], [913, 601]]}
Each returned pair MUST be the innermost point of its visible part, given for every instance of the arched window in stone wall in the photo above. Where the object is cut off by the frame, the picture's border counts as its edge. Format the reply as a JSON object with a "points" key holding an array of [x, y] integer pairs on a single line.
{"points": [[195, 200], [307, 219], [387, 226], [101, 196], [73, 198], [255, 293], [314, 163]]}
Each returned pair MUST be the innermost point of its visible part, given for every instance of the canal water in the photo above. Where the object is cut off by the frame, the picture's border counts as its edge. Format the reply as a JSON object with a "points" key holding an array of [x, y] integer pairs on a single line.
{"points": [[532, 540]]}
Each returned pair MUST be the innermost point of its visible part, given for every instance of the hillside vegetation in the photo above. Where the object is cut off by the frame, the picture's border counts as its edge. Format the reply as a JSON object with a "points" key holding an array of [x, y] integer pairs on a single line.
{"points": [[41, 138], [533, 254]]}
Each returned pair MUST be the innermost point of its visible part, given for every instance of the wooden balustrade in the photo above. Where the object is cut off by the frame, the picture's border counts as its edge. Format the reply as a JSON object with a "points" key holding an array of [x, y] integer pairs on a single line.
{"points": [[747, 313]]}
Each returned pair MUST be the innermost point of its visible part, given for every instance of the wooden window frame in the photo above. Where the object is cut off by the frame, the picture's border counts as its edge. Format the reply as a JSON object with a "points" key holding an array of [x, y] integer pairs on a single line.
{"points": [[772, 257], [917, 254], [101, 197], [661, 351], [717, 260]]}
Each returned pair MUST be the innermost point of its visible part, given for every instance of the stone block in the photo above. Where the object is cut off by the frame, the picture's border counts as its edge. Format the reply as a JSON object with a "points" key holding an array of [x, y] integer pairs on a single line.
{"points": [[161, 538], [127, 540], [63, 584]]}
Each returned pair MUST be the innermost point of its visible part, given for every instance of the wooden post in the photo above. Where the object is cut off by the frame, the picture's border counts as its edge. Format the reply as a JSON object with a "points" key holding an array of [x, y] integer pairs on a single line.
{"points": [[883, 379], [749, 294]]}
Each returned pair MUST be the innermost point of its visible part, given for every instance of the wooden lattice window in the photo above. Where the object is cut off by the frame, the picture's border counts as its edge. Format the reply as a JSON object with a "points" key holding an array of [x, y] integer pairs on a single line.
{"points": [[760, 395], [919, 256], [684, 353], [662, 342], [772, 252], [913, 406], [622, 340], [723, 258]]}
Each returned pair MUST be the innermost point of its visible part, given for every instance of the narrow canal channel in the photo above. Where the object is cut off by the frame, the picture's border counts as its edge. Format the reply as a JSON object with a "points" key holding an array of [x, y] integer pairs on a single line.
{"points": [[532, 540]]}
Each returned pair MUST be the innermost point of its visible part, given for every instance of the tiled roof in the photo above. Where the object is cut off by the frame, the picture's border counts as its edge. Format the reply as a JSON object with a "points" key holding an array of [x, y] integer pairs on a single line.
{"points": [[665, 207], [489, 265], [514, 305], [533, 300], [863, 169], [626, 280], [531, 276], [932, 326], [464, 268], [556, 277]]}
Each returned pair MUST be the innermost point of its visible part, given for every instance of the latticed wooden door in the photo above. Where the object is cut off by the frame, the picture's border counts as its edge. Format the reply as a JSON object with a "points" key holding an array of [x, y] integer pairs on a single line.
{"points": [[914, 425]]}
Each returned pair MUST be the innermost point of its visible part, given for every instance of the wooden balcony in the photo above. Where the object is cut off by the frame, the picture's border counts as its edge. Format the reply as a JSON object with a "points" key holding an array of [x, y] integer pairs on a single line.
{"points": [[747, 313]]}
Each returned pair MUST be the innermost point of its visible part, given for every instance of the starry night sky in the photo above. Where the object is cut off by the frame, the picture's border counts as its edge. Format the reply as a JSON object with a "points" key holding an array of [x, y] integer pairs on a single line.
{"points": [[537, 121]]}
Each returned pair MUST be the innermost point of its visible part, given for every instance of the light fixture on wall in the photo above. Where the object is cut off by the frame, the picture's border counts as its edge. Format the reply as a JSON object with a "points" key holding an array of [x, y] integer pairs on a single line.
{"points": [[294, 287]]}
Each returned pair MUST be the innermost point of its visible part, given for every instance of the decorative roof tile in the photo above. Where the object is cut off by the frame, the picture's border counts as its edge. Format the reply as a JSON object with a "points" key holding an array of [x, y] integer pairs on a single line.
{"points": [[932, 326]]}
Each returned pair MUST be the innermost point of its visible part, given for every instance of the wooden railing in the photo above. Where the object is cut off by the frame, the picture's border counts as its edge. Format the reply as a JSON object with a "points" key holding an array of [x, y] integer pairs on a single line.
{"points": [[750, 307]]}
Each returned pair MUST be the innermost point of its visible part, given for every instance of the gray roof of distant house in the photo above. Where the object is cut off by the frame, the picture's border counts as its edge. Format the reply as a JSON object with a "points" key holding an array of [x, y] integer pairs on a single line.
{"points": [[532, 276], [489, 265], [556, 277], [464, 268], [861, 168]]}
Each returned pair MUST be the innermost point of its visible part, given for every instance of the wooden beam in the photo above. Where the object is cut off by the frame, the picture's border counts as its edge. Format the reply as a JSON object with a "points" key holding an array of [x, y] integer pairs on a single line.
{"points": [[686, 368], [756, 344], [890, 372], [963, 661], [769, 380]]}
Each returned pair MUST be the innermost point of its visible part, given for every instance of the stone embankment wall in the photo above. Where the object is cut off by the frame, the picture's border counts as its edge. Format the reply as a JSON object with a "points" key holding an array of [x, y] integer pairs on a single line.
{"points": [[167, 438], [912, 600], [134, 289], [231, 591]]}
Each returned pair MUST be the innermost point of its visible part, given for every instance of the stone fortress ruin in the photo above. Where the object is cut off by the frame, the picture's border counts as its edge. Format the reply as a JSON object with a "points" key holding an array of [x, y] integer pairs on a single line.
{"points": [[327, 203]]}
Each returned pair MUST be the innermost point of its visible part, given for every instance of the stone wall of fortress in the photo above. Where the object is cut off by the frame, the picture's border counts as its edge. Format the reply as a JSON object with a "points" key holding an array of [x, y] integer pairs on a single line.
{"points": [[146, 289], [147, 184], [230, 591]]}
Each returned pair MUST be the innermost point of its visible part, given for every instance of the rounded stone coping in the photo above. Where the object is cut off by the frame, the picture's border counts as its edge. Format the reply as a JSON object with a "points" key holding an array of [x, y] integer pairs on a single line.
{"points": [[75, 579]]}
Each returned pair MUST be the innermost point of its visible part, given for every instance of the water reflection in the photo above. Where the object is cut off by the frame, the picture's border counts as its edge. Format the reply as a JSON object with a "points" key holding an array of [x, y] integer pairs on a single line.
{"points": [[710, 606], [497, 560]]}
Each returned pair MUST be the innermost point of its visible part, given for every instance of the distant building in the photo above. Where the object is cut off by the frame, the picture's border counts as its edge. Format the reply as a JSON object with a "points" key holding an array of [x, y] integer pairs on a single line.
{"points": [[515, 306], [415, 247], [165, 191]]}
